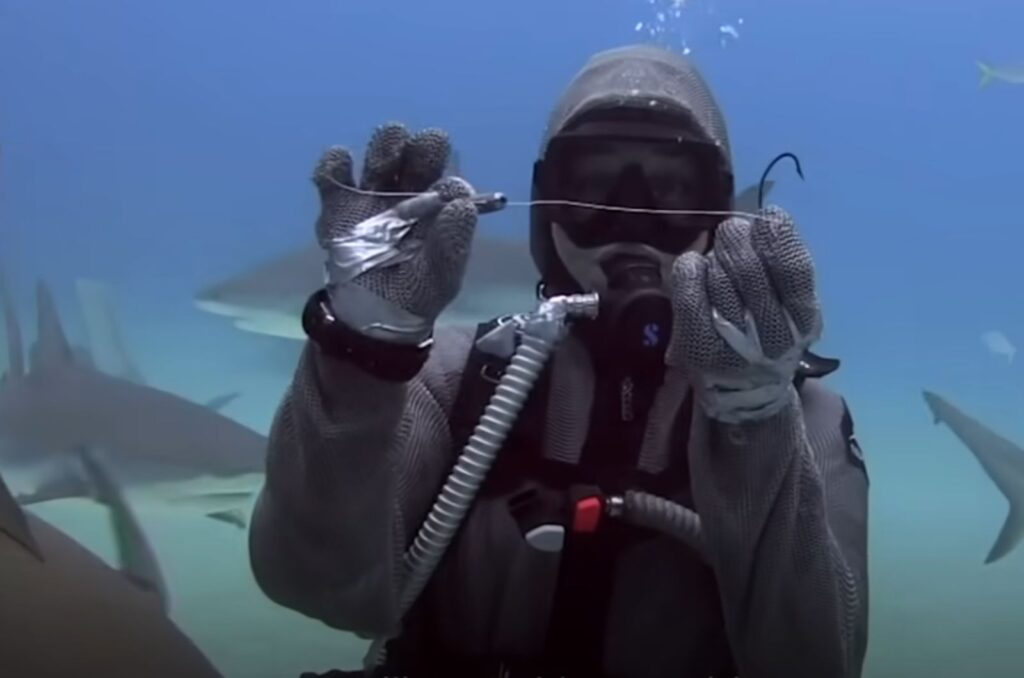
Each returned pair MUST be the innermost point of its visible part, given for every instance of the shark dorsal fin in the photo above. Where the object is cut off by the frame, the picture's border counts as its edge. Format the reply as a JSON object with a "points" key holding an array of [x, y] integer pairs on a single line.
{"points": [[51, 348], [746, 200], [15, 352], [220, 402]]}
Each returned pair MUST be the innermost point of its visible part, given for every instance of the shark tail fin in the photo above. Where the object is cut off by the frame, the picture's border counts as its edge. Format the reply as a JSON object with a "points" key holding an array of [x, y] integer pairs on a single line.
{"points": [[987, 74], [1011, 534]]}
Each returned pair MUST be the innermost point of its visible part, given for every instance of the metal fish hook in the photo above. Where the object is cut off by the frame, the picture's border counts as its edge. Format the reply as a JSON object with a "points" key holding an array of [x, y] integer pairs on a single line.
{"points": [[767, 171]]}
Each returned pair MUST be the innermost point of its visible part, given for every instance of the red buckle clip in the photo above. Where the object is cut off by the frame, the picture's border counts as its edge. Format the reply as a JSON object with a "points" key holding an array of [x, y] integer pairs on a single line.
{"points": [[587, 514]]}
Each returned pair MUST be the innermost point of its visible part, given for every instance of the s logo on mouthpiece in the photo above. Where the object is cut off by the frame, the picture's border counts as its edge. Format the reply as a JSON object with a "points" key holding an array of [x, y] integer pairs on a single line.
{"points": [[652, 335]]}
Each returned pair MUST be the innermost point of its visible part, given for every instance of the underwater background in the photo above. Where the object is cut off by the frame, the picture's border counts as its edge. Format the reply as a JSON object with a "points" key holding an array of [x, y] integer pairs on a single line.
{"points": [[160, 146]]}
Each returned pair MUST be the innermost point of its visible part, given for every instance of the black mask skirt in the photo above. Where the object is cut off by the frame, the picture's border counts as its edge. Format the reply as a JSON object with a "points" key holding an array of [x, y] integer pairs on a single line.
{"points": [[635, 319]]}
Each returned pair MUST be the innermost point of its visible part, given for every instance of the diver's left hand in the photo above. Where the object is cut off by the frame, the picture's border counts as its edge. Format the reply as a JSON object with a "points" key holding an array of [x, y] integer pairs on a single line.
{"points": [[743, 317]]}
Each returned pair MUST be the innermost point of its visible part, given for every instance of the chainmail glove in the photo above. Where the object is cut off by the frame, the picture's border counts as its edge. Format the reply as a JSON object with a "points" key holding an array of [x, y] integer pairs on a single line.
{"points": [[743, 317], [390, 274]]}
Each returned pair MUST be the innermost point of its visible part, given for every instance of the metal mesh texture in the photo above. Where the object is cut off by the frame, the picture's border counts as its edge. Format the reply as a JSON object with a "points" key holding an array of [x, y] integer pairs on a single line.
{"points": [[643, 76], [397, 160]]}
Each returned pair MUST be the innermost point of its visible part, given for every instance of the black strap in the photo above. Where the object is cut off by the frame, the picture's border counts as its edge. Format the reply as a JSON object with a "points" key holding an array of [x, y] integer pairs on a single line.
{"points": [[588, 566], [386, 360], [480, 377], [846, 428]]}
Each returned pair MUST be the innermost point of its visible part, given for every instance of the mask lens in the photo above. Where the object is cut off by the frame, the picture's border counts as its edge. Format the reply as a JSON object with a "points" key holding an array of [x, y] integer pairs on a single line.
{"points": [[640, 176]]}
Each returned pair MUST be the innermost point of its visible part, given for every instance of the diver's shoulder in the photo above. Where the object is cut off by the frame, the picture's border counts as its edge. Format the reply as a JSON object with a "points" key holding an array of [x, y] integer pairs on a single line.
{"points": [[816, 388], [824, 406], [830, 426], [450, 330], [450, 349]]}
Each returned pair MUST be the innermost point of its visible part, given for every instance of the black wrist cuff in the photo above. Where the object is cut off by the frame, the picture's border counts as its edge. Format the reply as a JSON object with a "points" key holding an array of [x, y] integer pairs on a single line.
{"points": [[383, 359]]}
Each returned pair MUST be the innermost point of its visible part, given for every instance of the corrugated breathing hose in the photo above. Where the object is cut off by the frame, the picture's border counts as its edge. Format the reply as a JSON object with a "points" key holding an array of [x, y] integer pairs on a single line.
{"points": [[657, 513], [540, 332]]}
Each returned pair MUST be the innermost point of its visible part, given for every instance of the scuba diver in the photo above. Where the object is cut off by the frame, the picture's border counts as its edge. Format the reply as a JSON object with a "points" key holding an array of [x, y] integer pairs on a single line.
{"points": [[674, 493]]}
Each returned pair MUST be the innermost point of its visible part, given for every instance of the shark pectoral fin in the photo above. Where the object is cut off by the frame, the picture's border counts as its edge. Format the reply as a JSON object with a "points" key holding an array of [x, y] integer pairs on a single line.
{"points": [[236, 517], [220, 402], [1010, 535], [136, 557]]}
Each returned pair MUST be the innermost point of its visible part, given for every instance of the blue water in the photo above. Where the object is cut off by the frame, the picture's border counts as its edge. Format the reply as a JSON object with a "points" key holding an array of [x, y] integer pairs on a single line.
{"points": [[158, 146]]}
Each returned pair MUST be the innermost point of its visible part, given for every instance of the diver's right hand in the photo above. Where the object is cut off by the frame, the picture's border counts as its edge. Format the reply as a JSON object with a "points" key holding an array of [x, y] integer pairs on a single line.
{"points": [[400, 298]]}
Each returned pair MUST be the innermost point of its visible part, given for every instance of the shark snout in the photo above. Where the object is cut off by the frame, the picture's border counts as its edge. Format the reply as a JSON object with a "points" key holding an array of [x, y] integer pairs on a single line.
{"points": [[217, 307], [214, 300], [935, 403]]}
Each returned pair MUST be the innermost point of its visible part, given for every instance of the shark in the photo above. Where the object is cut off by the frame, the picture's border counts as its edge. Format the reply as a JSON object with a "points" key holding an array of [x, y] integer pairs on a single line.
{"points": [[1001, 459], [64, 611], [501, 278], [227, 500], [268, 298], [57, 403], [1009, 74]]}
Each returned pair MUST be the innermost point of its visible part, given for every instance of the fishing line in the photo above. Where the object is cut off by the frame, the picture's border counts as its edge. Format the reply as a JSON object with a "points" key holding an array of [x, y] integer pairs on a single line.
{"points": [[560, 203], [490, 198]]}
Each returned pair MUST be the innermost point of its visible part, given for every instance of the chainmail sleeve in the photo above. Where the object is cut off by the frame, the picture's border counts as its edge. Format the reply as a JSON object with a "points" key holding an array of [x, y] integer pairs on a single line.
{"points": [[353, 465], [783, 504]]}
